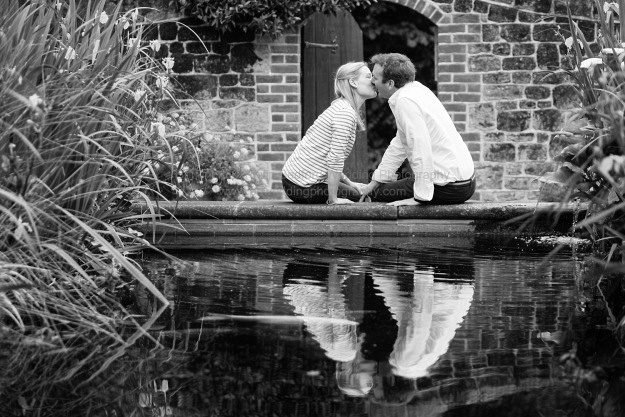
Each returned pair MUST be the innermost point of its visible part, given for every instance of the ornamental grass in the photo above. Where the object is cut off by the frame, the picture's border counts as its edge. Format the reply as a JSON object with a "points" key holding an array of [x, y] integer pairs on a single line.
{"points": [[75, 152]]}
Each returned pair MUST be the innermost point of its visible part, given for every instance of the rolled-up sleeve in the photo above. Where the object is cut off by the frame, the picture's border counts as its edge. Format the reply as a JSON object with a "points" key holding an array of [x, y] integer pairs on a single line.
{"points": [[343, 134]]}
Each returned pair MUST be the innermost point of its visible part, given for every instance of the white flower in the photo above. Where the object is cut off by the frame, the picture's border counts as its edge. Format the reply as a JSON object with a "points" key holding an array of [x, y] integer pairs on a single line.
{"points": [[104, 18], [155, 44], [255, 196], [134, 15], [569, 42], [124, 22], [179, 179], [159, 128], [236, 155], [246, 168], [162, 82], [240, 197], [214, 180], [175, 149], [96, 48], [70, 53], [244, 152], [185, 168], [35, 100], [253, 186], [215, 188], [138, 95], [58, 5], [247, 178], [248, 194], [168, 63], [198, 193], [590, 62], [132, 42]]}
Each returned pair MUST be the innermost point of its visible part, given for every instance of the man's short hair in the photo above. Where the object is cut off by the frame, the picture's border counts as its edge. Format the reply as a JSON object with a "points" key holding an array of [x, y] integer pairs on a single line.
{"points": [[396, 67]]}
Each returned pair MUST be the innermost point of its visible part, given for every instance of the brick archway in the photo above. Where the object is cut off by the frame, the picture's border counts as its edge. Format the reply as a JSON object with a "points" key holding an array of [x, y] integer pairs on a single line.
{"points": [[425, 7]]}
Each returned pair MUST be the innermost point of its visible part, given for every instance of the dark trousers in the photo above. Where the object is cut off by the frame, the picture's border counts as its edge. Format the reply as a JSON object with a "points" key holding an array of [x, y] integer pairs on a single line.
{"points": [[453, 193], [316, 194]]}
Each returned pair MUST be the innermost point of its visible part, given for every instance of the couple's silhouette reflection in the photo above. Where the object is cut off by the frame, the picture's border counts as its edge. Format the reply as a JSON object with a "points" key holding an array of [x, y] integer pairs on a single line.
{"points": [[377, 323]]}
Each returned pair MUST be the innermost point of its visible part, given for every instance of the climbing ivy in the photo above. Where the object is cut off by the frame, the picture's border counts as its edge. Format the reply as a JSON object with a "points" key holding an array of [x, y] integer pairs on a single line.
{"points": [[263, 17]]}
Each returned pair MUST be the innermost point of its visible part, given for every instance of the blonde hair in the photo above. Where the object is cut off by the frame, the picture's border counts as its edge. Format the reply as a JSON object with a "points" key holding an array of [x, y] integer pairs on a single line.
{"points": [[343, 89]]}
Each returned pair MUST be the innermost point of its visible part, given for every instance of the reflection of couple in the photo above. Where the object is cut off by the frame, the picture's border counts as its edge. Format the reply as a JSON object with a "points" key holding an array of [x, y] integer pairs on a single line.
{"points": [[426, 318], [443, 171]]}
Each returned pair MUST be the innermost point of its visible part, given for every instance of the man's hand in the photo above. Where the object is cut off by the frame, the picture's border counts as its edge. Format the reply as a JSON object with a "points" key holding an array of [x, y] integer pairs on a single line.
{"points": [[365, 190], [406, 202]]}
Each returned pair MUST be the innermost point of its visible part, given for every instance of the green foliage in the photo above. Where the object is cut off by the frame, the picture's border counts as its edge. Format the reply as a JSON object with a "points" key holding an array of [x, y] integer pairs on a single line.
{"points": [[74, 144], [262, 17], [593, 162]]}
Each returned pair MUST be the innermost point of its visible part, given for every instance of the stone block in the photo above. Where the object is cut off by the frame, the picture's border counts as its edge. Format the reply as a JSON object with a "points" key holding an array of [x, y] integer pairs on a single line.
{"points": [[547, 119], [501, 49], [490, 33], [479, 48], [501, 14], [183, 63], [496, 78], [521, 183], [527, 104], [546, 33], [499, 152], [532, 152], [539, 6], [484, 63], [548, 56], [523, 49], [489, 177], [197, 48], [513, 168], [520, 137], [243, 57], [565, 97], [198, 86], [506, 105], [522, 77], [518, 63], [238, 93], [537, 92], [218, 120], [513, 121], [539, 168], [495, 137], [228, 80], [251, 118], [463, 6], [168, 31], [549, 77], [516, 32], [482, 116], [238, 35], [501, 92], [175, 48], [197, 33], [220, 48], [212, 64]]}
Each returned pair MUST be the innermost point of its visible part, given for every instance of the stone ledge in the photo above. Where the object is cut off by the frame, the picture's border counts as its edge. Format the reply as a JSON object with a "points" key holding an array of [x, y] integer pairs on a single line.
{"points": [[284, 210]]}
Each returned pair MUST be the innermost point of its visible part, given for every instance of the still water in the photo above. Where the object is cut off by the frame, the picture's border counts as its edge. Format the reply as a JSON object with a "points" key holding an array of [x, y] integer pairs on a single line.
{"points": [[432, 328]]}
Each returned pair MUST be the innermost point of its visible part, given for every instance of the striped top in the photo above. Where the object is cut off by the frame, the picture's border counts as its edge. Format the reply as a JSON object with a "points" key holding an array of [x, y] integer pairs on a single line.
{"points": [[325, 146]]}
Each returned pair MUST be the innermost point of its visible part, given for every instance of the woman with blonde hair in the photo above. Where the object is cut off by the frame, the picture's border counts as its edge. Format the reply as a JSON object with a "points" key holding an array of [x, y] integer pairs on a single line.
{"points": [[313, 174]]}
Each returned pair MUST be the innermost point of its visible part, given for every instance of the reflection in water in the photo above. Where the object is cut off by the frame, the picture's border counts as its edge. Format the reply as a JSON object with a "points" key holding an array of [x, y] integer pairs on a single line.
{"points": [[426, 318], [414, 331]]}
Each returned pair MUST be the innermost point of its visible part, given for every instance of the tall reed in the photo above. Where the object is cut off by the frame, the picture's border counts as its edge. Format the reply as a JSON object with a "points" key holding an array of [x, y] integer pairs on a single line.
{"points": [[75, 150]]}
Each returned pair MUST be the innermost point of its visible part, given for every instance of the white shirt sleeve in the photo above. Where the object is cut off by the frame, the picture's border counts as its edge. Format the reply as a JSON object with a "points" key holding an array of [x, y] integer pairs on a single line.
{"points": [[415, 134], [392, 159]]}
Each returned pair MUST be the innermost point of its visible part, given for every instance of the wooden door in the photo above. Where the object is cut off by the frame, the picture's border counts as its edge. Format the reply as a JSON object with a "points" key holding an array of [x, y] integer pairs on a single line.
{"points": [[328, 42]]}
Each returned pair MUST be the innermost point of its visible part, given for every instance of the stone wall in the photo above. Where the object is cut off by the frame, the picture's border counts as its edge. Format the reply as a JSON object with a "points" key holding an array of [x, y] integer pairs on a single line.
{"points": [[495, 63]]}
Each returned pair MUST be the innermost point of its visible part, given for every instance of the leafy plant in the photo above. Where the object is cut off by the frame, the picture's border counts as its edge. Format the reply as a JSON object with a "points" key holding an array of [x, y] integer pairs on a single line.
{"points": [[75, 151], [593, 162], [262, 17]]}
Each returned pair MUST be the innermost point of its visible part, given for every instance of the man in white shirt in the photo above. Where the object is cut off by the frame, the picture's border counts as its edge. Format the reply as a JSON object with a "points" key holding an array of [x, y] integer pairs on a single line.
{"points": [[443, 170]]}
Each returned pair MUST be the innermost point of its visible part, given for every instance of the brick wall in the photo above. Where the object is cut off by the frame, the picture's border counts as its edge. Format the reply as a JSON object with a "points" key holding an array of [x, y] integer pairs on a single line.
{"points": [[494, 70]]}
